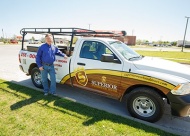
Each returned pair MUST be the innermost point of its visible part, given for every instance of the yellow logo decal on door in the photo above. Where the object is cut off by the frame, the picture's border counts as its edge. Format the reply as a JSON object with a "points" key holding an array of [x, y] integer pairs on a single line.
{"points": [[81, 77]]}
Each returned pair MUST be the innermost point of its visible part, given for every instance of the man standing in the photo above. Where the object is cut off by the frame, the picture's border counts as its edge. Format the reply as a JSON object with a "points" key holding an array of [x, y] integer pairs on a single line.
{"points": [[44, 59]]}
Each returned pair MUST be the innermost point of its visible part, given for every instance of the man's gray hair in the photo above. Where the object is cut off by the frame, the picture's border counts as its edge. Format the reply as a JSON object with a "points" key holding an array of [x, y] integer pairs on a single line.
{"points": [[47, 35]]}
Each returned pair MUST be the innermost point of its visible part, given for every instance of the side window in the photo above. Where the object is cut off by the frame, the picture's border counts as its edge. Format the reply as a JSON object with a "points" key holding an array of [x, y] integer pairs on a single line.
{"points": [[103, 49], [87, 50], [93, 50], [100, 49], [110, 52]]}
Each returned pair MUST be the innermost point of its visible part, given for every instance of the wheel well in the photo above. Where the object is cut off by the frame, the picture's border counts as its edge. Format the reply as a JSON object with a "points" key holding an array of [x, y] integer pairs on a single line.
{"points": [[130, 89], [33, 65]]}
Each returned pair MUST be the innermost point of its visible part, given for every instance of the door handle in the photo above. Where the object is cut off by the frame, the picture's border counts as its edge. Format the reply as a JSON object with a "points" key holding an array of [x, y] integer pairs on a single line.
{"points": [[79, 63]]}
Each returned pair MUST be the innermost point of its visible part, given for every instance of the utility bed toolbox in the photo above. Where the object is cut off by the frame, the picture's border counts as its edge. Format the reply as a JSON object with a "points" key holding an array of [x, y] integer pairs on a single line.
{"points": [[32, 48]]}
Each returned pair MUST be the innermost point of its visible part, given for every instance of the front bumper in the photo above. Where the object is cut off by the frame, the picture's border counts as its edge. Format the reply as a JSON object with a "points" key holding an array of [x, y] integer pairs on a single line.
{"points": [[180, 104]]}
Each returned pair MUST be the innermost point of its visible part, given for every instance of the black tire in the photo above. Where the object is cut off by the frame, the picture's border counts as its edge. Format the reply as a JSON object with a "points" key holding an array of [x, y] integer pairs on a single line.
{"points": [[36, 78], [145, 104]]}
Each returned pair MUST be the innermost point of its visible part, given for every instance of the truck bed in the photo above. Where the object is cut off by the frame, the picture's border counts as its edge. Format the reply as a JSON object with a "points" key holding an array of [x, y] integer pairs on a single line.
{"points": [[61, 48], [32, 48]]}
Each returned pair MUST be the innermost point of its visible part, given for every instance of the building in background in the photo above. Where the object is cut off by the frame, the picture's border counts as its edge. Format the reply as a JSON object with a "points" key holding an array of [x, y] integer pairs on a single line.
{"points": [[129, 40], [180, 43]]}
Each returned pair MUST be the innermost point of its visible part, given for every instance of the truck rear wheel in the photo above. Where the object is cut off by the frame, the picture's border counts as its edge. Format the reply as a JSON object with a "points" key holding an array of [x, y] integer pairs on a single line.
{"points": [[36, 77], [145, 104]]}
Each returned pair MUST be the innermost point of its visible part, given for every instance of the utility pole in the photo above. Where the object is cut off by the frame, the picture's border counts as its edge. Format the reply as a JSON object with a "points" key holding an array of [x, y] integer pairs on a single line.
{"points": [[3, 33], [185, 34]]}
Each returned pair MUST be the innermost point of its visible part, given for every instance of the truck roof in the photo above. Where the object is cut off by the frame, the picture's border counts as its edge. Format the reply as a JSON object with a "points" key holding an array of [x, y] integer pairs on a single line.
{"points": [[99, 38]]}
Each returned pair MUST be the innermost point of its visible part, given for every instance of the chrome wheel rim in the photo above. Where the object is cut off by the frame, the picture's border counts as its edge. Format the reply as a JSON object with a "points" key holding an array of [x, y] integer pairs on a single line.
{"points": [[144, 106], [37, 78]]}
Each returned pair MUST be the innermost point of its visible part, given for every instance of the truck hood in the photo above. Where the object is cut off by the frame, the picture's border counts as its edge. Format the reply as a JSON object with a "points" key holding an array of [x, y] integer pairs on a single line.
{"points": [[158, 65]]}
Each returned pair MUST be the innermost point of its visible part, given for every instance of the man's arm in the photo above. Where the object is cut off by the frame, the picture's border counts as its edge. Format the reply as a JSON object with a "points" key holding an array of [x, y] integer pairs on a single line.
{"points": [[39, 57], [60, 53]]}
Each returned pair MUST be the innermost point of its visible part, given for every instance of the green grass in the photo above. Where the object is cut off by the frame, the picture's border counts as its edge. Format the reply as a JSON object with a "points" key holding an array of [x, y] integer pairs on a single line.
{"points": [[181, 57], [25, 111]]}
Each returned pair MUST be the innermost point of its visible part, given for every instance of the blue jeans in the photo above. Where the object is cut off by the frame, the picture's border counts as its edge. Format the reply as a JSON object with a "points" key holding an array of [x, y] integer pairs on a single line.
{"points": [[44, 73]]}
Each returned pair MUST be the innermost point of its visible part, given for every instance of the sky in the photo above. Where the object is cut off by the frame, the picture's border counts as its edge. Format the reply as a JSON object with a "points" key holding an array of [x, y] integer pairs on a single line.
{"points": [[151, 20]]}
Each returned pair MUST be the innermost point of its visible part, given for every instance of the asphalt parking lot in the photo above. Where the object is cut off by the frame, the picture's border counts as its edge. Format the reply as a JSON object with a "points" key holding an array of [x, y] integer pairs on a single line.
{"points": [[10, 71]]}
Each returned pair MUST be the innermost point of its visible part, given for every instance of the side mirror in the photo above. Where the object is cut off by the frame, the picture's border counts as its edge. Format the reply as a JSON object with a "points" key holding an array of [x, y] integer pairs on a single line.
{"points": [[109, 58]]}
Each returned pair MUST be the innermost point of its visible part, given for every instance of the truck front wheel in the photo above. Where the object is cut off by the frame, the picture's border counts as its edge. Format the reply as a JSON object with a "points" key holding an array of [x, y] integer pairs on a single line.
{"points": [[145, 104], [36, 77]]}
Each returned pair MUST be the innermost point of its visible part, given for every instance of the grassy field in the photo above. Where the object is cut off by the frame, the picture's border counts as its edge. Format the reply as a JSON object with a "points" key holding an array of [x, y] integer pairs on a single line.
{"points": [[181, 57], [25, 111]]}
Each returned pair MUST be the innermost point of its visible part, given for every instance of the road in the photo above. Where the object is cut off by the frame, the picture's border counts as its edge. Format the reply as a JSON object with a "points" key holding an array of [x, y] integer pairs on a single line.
{"points": [[10, 71]]}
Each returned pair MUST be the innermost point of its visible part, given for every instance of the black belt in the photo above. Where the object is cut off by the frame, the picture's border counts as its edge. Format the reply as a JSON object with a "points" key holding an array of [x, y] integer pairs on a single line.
{"points": [[47, 64]]}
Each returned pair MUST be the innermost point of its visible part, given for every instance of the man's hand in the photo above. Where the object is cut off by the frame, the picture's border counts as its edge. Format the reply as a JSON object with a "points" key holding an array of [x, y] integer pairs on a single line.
{"points": [[65, 57], [41, 68]]}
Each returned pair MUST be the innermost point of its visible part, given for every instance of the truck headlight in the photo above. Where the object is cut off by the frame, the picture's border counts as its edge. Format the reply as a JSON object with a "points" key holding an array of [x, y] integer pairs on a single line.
{"points": [[181, 89]]}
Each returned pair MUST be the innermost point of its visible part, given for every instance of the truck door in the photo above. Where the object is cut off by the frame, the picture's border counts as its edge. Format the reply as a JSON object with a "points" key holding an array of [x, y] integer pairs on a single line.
{"points": [[61, 67], [92, 74]]}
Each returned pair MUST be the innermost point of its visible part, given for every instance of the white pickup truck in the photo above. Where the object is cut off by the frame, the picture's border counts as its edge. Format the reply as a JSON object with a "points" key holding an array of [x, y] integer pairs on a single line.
{"points": [[109, 67]]}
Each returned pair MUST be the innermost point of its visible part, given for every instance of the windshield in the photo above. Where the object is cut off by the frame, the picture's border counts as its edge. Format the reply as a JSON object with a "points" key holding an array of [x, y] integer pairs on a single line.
{"points": [[124, 50]]}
